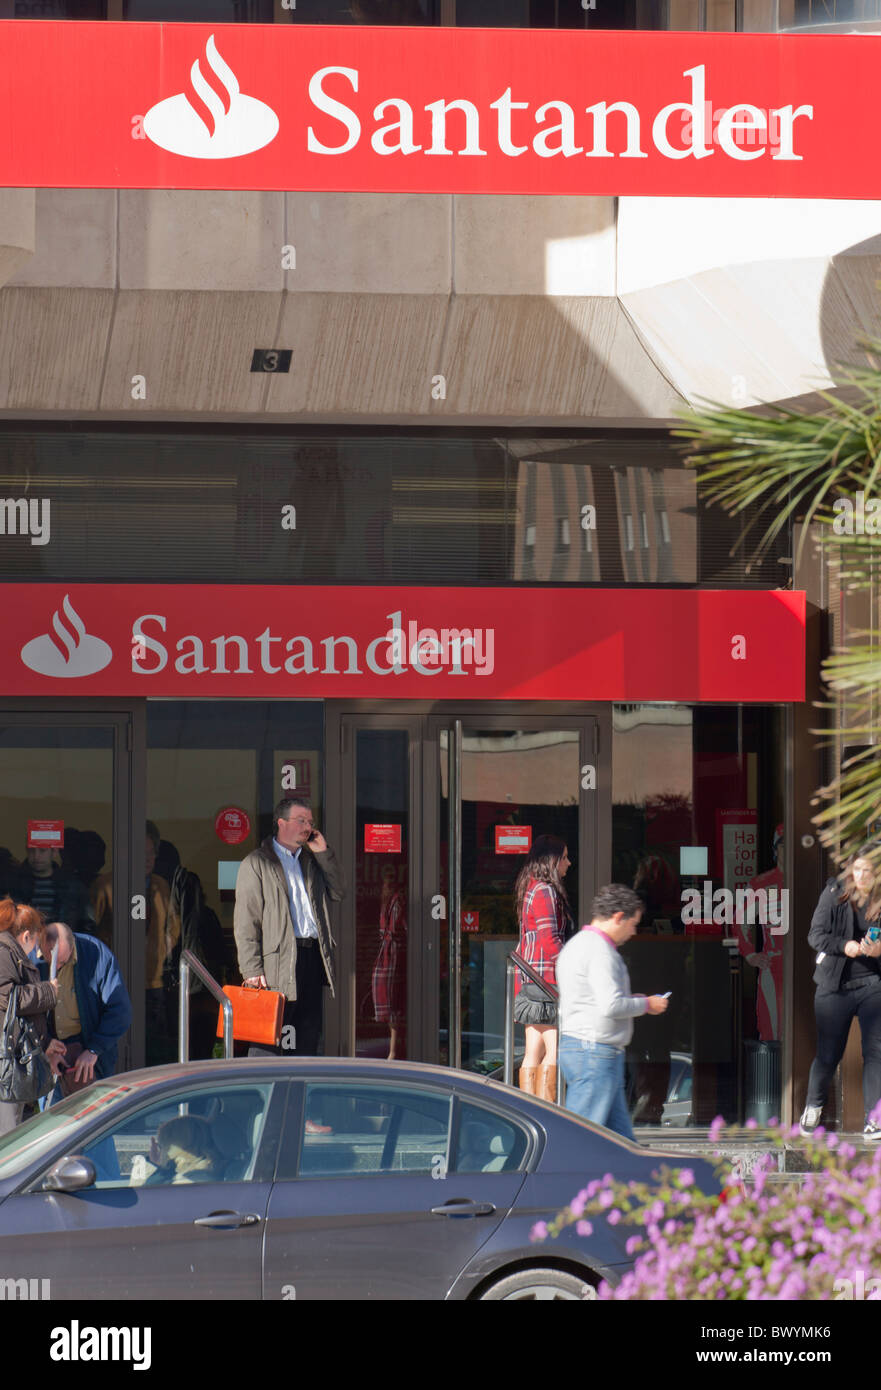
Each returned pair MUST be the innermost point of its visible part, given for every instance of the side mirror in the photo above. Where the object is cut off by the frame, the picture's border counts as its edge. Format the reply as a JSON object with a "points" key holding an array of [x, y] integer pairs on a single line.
{"points": [[69, 1174]]}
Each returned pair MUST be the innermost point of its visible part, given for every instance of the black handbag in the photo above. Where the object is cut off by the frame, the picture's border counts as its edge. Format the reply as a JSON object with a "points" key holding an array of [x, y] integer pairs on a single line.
{"points": [[25, 1073]]}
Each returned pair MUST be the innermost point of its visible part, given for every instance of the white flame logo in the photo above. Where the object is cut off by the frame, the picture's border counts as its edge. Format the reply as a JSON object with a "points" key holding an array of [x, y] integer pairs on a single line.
{"points": [[68, 650], [202, 125]]}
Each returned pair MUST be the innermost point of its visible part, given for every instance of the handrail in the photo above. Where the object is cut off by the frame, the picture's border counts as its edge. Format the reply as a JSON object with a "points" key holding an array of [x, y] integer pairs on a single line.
{"points": [[189, 962], [516, 962]]}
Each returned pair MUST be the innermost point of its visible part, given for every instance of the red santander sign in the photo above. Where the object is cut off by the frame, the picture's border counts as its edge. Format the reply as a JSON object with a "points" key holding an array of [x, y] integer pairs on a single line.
{"points": [[438, 110], [207, 640]]}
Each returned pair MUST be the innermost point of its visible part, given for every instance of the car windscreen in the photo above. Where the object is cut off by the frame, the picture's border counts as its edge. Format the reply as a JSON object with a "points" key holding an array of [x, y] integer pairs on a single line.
{"points": [[29, 1141]]}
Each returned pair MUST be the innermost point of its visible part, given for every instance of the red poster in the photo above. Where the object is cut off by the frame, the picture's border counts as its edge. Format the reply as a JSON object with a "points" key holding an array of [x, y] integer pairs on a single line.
{"points": [[272, 641], [470, 920], [45, 832], [736, 847], [232, 825], [382, 839], [513, 839], [438, 110]]}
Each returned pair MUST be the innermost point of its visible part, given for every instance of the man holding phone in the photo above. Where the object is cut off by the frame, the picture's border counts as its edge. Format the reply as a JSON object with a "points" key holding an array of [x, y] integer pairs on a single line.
{"points": [[597, 1009], [282, 924]]}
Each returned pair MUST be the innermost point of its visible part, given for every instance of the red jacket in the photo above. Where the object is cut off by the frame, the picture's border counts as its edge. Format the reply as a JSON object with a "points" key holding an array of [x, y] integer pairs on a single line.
{"points": [[543, 923]]}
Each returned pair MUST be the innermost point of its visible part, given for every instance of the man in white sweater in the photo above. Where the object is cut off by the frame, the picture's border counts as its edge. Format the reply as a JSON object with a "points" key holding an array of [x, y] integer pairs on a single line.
{"points": [[597, 1010]]}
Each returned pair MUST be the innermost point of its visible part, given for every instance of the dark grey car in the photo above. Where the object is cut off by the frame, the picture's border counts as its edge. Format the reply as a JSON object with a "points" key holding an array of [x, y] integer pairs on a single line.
{"points": [[309, 1178]]}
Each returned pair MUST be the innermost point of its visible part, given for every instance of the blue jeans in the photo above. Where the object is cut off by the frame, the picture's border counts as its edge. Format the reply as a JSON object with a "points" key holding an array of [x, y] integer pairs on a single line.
{"points": [[594, 1075]]}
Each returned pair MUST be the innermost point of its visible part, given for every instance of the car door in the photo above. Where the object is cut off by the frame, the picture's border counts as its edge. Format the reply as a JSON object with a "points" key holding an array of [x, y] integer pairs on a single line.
{"points": [[178, 1207], [374, 1207]]}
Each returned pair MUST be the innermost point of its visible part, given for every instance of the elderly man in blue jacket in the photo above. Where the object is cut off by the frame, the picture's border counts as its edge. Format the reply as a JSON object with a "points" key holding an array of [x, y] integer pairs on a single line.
{"points": [[93, 1007]]}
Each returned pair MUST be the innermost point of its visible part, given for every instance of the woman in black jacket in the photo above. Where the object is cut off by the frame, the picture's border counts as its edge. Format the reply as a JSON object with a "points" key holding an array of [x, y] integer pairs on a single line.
{"points": [[19, 925], [848, 980]]}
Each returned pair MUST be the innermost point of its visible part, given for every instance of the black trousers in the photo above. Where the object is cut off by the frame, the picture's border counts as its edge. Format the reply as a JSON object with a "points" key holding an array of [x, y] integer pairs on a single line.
{"points": [[834, 1013], [304, 1014]]}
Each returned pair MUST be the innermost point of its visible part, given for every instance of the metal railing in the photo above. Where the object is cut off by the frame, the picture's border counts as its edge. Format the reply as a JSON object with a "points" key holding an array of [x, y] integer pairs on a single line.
{"points": [[188, 962], [514, 963]]}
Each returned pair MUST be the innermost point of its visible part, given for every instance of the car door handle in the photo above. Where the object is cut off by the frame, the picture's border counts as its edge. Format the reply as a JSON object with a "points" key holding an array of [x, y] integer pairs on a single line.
{"points": [[227, 1220], [464, 1208]]}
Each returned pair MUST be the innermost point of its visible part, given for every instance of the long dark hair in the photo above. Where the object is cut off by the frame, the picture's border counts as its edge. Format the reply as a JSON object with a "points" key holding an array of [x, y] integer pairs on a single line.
{"points": [[871, 903], [542, 862]]}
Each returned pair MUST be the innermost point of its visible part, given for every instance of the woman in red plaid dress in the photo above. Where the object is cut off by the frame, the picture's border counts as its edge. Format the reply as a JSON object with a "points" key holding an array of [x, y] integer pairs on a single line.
{"points": [[545, 919]]}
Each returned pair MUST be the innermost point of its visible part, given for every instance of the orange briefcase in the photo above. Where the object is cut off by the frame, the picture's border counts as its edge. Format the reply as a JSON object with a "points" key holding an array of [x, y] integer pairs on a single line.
{"points": [[256, 1014]]}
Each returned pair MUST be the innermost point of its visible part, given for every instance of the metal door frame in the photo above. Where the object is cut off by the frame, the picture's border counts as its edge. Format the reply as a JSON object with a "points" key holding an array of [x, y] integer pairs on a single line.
{"points": [[127, 720], [424, 720], [342, 720], [594, 828]]}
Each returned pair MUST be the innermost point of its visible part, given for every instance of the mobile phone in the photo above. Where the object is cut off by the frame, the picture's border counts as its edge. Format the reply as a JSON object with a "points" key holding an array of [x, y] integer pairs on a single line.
{"points": [[667, 995], [873, 934]]}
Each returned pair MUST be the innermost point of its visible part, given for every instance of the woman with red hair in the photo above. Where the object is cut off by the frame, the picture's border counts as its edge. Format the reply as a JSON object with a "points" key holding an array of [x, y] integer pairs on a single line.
{"points": [[19, 925]]}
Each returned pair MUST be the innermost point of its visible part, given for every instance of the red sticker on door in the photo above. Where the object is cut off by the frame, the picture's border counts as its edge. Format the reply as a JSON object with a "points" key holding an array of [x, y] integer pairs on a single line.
{"points": [[232, 825], [45, 832], [513, 839], [470, 920], [382, 839]]}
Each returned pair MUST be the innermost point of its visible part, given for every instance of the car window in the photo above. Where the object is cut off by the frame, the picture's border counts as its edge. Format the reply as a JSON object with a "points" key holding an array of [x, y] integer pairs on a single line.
{"points": [[487, 1143], [29, 1141], [209, 1134], [362, 1131]]}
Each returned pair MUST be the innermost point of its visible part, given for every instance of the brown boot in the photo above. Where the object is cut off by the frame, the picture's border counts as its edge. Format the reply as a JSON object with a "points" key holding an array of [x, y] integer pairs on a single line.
{"points": [[547, 1084], [529, 1080]]}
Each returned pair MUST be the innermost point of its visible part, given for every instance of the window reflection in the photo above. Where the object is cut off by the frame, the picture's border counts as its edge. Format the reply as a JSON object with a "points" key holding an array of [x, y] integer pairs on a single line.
{"points": [[707, 778], [214, 772], [378, 510], [201, 11], [381, 889]]}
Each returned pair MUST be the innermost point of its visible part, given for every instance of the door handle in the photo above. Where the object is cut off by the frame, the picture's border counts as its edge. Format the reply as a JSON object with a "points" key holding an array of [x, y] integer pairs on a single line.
{"points": [[462, 1207], [227, 1220]]}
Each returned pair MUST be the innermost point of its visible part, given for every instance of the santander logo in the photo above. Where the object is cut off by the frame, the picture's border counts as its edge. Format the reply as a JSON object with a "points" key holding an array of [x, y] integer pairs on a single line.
{"points": [[68, 650], [201, 124]]}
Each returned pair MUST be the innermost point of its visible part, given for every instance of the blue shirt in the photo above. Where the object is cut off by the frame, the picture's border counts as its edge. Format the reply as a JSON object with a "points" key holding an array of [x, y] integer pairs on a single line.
{"points": [[298, 899]]}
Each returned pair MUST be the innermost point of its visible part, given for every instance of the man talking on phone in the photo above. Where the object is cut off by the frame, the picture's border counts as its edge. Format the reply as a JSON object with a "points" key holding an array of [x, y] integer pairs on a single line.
{"points": [[282, 925]]}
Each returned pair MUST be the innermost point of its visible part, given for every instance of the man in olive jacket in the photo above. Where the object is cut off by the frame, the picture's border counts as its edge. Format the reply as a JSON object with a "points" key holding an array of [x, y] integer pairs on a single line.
{"points": [[282, 927]]}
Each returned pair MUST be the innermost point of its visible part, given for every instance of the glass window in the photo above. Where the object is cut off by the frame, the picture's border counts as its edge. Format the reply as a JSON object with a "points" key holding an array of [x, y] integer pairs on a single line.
{"points": [[201, 11], [59, 782], [528, 779], [215, 770], [53, 9], [28, 1142], [396, 509], [708, 779], [374, 1130], [207, 1135], [525, 14], [382, 840], [365, 12], [487, 1143]]}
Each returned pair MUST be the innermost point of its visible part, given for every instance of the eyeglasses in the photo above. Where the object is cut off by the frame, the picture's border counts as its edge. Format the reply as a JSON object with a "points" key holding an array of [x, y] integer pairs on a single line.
{"points": [[302, 820]]}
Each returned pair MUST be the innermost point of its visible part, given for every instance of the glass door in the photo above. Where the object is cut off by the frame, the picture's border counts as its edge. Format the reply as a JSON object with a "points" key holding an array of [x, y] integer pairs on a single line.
{"points": [[382, 953], [501, 781]]}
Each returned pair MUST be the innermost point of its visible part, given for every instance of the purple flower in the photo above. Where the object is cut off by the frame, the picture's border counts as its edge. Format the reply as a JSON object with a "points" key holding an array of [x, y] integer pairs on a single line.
{"points": [[539, 1231], [686, 1177], [613, 1217], [584, 1228]]}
